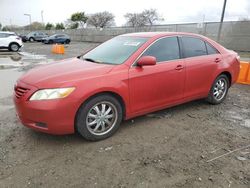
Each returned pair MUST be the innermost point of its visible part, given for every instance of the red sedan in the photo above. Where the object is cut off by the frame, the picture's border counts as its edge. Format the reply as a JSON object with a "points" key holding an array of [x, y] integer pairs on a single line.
{"points": [[127, 76]]}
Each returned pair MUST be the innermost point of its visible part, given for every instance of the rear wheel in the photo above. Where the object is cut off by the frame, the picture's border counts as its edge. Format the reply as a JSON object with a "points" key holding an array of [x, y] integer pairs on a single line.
{"points": [[67, 41], [14, 47], [50, 42], [31, 39], [99, 118], [219, 90]]}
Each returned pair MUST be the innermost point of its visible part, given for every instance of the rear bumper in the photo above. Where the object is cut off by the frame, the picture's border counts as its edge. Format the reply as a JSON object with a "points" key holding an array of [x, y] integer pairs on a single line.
{"points": [[49, 116]]}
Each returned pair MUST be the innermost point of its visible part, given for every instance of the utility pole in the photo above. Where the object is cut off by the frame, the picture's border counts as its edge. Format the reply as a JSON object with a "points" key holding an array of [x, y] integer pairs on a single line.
{"points": [[42, 16], [221, 20], [29, 15]]}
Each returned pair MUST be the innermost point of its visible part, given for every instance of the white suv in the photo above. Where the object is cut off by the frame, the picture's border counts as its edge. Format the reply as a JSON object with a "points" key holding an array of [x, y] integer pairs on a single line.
{"points": [[10, 41]]}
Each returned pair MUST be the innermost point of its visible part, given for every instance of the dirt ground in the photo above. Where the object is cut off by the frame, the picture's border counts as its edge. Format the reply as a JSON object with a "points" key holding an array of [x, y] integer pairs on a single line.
{"points": [[191, 145]]}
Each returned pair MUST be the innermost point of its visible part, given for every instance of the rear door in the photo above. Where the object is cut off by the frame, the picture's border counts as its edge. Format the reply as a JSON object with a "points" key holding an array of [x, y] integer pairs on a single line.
{"points": [[57, 39], [201, 64], [152, 87]]}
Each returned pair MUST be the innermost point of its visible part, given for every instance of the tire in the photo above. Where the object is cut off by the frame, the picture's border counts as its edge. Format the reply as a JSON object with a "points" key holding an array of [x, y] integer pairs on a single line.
{"points": [[50, 42], [67, 41], [14, 47], [94, 127], [31, 39], [219, 90]]}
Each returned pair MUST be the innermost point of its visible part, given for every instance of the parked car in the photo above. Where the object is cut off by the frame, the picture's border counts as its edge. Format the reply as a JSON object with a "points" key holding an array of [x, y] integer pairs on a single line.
{"points": [[34, 36], [127, 76], [10, 41], [57, 38]]}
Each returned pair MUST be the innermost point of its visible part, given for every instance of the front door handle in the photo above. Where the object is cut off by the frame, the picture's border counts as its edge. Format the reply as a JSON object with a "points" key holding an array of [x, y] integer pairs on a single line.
{"points": [[179, 67]]}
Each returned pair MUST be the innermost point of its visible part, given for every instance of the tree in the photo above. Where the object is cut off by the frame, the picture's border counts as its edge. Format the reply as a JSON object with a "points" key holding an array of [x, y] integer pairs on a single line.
{"points": [[6, 28], [79, 17], [69, 24], [0, 26], [101, 19], [49, 26], [74, 25], [35, 26], [147, 17], [151, 16], [59, 26], [244, 19], [135, 19]]}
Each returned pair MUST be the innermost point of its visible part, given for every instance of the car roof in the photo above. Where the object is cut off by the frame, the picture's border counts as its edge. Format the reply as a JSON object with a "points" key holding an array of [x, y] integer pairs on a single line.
{"points": [[159, 34], [156, 35], [7, 32]]}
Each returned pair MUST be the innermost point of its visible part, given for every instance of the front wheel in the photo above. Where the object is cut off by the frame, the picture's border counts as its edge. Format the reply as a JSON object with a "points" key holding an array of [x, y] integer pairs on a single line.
{"points": [[99, 118], [219, 90], [14, 47]]}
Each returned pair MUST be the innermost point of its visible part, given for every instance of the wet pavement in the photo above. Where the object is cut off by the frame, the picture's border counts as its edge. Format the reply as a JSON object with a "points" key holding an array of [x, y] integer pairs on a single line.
{"points": [[13, 65]]}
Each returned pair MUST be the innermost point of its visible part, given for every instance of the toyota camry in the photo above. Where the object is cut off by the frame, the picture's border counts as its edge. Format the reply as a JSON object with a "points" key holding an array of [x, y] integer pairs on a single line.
{"points": [[127, 76]]}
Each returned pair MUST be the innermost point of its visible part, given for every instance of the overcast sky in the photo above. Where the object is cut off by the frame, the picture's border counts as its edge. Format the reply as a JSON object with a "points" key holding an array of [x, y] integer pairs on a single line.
{"points": [[173, 11]]}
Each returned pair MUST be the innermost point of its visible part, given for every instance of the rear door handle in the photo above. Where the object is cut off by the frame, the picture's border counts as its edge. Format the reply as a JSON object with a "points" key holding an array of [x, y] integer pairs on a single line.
{"points": [[217, 60], [179, 67]]}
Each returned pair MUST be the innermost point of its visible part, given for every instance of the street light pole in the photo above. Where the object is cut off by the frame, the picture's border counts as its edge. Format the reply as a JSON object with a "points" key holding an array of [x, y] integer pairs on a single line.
{"points": [[42, 16], [221, 20], [29, 15]]}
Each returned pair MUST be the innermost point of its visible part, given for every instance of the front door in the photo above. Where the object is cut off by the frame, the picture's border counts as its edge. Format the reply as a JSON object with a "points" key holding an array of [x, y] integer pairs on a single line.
{"points": [[153, 87]]}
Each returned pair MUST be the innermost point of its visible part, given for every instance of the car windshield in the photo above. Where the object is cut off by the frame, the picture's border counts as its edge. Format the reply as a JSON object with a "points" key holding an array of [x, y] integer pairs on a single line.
{"points": [[53, 36], [115, 51]]}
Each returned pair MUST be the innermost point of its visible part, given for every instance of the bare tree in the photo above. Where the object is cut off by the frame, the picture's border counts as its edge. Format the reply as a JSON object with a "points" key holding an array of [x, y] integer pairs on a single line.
{"points": [[152, 16], [147, 17], [101, 19], [135, 19]]}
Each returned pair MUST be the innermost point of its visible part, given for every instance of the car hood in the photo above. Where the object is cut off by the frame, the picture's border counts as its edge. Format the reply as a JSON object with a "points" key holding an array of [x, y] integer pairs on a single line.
{"points": [[63, 72]]}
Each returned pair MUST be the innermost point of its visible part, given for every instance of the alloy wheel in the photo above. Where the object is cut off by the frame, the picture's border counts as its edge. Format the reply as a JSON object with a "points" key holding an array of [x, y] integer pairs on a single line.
{"points": [[101, 118], [14, 47], [220, 89]]}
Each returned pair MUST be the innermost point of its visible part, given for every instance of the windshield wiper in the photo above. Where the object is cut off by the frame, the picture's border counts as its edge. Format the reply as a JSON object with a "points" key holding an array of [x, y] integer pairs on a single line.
{"points": [[100, 62], [91, 60]]}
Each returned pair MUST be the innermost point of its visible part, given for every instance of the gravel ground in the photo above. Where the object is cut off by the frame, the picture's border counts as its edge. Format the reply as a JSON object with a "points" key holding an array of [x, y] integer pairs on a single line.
{"points": [[191, 145]]}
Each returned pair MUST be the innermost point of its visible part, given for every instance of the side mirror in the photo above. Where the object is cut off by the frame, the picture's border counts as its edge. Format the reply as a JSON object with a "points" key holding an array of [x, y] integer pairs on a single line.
{"points": [[146, 61]]}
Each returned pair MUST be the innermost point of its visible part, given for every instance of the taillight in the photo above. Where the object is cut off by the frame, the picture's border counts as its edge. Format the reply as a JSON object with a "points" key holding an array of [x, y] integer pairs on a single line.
{"points": [[18, 38], [238, 57]]}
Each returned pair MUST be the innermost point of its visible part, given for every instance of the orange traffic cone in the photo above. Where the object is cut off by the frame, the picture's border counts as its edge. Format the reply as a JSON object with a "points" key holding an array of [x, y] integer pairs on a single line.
{"points": [[58, 49], [244, 75]]}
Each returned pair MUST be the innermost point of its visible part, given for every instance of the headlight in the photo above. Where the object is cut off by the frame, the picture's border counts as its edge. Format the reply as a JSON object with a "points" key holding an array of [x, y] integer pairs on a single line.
{"points": [[57, 93]]}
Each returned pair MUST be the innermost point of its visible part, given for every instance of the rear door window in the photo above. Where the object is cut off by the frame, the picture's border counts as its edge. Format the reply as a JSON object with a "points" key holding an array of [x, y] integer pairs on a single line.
{"points": [[193, 47], [164, 49], [211, 50]]}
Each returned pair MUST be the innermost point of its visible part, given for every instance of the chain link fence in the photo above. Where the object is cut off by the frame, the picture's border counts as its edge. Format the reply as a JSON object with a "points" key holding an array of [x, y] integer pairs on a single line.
{"points": [[235, 35]]}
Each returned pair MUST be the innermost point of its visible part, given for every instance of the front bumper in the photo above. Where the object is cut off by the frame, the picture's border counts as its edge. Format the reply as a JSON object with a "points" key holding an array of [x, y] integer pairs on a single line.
{"points": [[49, 116]]}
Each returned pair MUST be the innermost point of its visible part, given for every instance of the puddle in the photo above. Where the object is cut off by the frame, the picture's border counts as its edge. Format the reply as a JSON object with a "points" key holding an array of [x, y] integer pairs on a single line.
{"points": [[22, 60], [13, 66], [7, 81]]}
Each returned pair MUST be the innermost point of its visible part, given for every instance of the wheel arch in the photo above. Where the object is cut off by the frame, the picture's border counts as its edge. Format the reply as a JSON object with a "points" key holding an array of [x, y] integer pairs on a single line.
{"points": [[112, 93], [229, 76], [13, 43]]}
